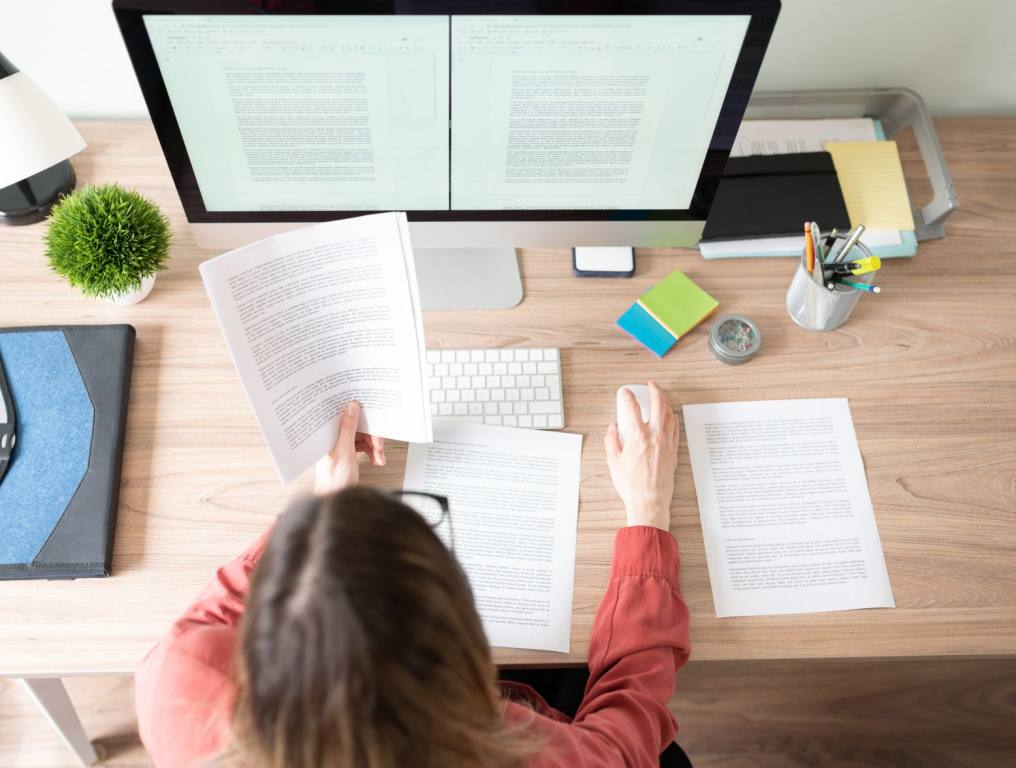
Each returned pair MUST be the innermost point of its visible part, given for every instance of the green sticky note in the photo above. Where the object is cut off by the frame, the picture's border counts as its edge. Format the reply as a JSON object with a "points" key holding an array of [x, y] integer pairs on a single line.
{"points": [[677, 303]]}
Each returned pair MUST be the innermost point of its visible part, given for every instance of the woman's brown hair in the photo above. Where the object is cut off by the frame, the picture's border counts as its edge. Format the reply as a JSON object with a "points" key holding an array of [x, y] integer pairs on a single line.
{"points": [[360, 647]]}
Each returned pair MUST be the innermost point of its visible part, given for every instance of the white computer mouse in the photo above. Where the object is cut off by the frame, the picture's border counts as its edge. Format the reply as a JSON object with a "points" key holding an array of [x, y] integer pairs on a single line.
{"points": [[641, 392]]}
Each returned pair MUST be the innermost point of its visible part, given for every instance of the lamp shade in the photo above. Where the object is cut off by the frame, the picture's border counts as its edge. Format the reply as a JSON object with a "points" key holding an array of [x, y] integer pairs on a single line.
{"points": [[34, 133]]}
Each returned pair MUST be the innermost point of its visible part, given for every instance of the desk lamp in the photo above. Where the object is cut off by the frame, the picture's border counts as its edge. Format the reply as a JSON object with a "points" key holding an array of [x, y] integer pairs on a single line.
{"points": [[36, 139]]}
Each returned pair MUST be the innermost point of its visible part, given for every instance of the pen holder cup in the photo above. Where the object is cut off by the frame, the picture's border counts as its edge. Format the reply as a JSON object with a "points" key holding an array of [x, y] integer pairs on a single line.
{"points": [[816, 308]]}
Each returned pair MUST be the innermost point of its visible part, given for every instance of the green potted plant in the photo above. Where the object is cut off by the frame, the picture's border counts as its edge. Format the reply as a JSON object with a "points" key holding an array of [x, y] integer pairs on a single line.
{"points": [[108, 242]]}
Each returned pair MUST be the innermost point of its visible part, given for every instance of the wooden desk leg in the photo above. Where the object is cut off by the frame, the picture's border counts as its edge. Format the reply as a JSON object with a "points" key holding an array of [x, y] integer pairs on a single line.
{"points": [[49, 693]]}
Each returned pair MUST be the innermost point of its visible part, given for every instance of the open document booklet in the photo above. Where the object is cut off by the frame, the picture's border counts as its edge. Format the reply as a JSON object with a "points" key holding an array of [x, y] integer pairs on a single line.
{"points": [[317, 317]]}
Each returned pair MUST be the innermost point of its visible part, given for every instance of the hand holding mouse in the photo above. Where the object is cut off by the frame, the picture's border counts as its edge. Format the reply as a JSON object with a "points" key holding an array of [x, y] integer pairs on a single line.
{"points": [[643, 468]]}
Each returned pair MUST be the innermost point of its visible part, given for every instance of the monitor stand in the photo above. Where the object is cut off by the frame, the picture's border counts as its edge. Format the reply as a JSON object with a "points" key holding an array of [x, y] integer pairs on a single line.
{"points": [[468, 278]]}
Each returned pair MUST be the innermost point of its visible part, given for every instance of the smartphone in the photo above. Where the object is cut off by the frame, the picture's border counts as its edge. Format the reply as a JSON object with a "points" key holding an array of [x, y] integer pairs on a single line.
{"points": [[596, 261]]}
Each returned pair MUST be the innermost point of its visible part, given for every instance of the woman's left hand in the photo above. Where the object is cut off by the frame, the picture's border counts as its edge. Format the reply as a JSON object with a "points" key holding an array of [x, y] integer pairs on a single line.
{"points": [[340, 468]]}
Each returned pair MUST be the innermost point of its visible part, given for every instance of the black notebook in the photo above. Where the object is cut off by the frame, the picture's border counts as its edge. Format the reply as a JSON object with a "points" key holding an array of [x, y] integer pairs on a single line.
{"points": [[773, 195], [68, 388]]}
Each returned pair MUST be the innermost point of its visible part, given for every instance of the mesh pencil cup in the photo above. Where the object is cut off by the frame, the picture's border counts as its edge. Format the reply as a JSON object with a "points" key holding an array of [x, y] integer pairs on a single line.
{"points": [[817, 308]]}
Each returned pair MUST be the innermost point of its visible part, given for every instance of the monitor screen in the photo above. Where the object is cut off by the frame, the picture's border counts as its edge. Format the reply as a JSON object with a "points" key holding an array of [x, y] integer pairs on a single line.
{"points": [[446, 112]]}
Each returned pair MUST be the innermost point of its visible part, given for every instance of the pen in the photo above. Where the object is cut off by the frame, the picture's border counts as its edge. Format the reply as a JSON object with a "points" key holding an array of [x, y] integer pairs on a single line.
{"points": [[859, 286], [809, 249], [851, 242], [830, 239]]}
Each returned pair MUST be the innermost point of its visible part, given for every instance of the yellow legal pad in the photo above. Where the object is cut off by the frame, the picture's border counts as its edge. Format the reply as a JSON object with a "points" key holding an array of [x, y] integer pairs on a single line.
{"points": [[871, 178]]}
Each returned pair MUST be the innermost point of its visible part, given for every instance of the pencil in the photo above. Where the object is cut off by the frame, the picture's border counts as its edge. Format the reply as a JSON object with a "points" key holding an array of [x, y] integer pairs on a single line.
{"points": [[809, 249]]}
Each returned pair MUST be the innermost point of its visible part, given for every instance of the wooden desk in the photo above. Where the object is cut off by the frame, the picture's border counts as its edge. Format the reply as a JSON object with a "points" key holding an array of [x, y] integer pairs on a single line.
{"points": [[929, 367]]}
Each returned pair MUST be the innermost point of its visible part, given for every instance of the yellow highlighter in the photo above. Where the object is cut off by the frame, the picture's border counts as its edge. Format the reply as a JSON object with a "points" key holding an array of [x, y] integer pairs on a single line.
{"points": [[859, 266]]}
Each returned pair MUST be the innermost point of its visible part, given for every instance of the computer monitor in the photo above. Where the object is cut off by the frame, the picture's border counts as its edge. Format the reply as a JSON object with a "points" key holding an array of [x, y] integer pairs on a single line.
{"points": [[492, 124]]}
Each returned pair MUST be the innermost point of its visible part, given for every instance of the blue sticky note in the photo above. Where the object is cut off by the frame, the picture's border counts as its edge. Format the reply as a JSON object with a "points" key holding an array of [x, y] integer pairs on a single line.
{"points": [[641, 326]]}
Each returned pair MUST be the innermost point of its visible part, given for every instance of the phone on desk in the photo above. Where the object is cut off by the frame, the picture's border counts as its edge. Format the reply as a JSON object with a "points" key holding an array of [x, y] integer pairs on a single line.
{"points": [[603, 261]]}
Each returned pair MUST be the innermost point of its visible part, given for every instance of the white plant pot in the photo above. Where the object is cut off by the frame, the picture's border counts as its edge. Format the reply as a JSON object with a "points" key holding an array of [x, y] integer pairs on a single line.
{"points": [[133, 297]]}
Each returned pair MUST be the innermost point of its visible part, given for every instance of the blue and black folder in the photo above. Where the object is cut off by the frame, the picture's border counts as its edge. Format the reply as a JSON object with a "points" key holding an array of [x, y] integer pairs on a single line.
{"points": [[65, 401]]}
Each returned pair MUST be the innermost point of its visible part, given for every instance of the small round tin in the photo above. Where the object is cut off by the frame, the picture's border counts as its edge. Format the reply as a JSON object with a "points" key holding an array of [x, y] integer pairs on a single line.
{"points": [[735, 339]]}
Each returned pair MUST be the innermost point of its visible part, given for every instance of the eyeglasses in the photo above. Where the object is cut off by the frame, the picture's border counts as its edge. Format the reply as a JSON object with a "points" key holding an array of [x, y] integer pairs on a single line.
{"points": [[433, 508]]}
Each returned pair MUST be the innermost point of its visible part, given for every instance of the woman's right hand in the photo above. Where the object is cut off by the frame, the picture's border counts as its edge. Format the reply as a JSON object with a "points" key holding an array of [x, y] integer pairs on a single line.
{"points": [[643, 469]]}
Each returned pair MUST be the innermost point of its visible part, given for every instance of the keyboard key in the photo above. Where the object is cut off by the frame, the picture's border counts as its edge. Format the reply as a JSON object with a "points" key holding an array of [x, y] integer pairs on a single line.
{"points": [[470, 369], [491, 355], [462, 356], [477, 382], [508, 381], [483, 395], [554, 382], [545, 406], [461, 409], [529, 368], [447, 382], [441, 369], [539, 380], [554, 422], [540, 421], [455, 369], [485, 369], [523, 381], [504, 408], [536, 355], [515, 368], [521, 355], [468, 396], [542, 393], [433, 409], [546, 368], [526, 421], [494, 421], [447, 356], [493, 382], [490, 409], [430, 369], [433, 382], [497, 394], [437, 396], [519, 408], [528, 394], [511, 395], [462, 382], [507, 355], [475, 409], [550, 354], [445, 409], [453, 395], [510, 421], [476, 356], [433, 355], [473, 419], [500, 369]]}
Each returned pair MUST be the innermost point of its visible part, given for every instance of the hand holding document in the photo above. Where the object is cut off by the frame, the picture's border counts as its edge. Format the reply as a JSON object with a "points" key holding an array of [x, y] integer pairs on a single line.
{"points": [[320, 316], [786, 516], [514, 508]]}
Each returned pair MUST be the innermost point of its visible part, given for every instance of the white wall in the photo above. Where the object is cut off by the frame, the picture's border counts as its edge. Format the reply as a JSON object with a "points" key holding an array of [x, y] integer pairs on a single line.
{"points": [[959, 54]]}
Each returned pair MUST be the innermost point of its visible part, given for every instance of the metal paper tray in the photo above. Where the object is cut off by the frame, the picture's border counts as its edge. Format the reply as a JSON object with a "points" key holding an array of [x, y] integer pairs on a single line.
{"points": [[896, 108]]}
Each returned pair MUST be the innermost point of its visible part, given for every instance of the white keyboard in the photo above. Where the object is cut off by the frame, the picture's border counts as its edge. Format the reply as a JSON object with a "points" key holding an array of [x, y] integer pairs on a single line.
{"points": [[506, 387]]}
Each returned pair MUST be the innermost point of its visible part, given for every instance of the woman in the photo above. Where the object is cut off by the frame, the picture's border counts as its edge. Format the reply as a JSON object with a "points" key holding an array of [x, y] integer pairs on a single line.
{"points": [[346, 636]]}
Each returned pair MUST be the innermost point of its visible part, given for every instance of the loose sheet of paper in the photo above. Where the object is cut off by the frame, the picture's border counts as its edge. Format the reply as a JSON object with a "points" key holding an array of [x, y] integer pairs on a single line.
{"points": [[514, 508], [788, 137], [871, 178], [786, 516], [317, 317]]}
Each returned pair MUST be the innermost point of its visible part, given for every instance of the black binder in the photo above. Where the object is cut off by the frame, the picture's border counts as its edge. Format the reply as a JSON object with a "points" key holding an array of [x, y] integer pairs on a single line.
{"points": [[773, 195], [69, 388]]}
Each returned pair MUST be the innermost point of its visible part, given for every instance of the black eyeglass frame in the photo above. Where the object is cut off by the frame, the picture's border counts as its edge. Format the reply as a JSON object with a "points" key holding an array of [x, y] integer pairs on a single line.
{"points": [[445, 510]]}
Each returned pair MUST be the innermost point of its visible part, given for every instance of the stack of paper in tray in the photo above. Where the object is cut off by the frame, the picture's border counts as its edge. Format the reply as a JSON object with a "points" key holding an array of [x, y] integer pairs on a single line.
{"points": [[870, 176], [666, 312]]}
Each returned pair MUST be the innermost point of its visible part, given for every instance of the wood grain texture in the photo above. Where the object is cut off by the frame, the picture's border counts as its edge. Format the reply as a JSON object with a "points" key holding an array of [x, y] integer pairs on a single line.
{"points": [[768, 714], [929, 367]]}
